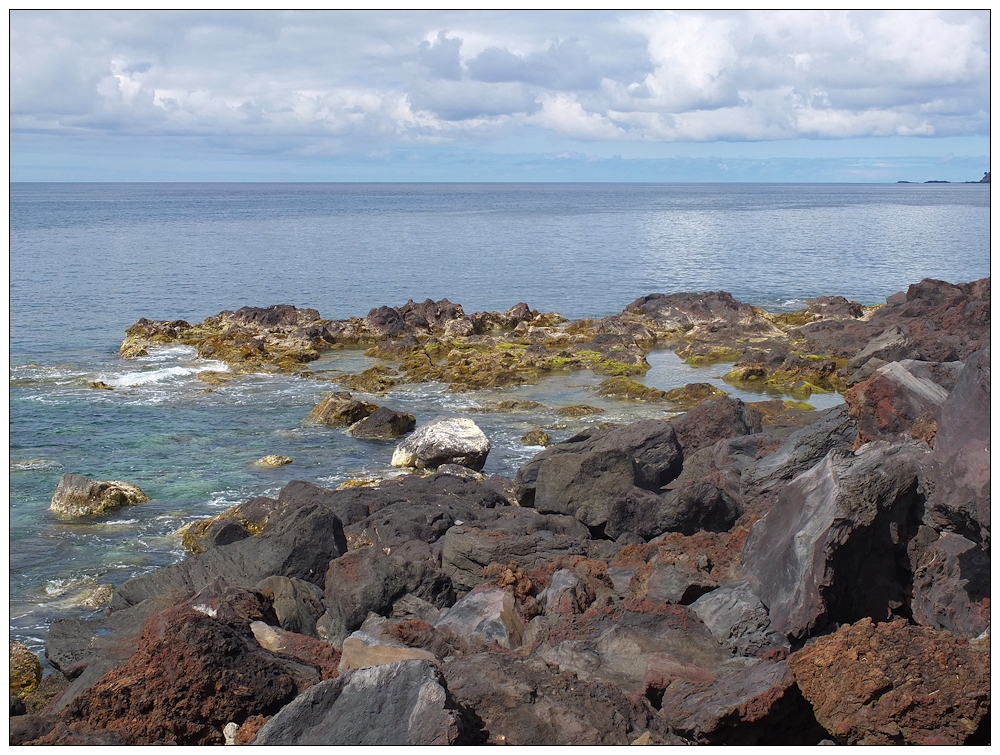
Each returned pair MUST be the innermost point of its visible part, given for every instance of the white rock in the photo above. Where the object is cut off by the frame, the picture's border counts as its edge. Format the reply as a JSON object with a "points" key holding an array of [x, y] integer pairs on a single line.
{"points": [[445, 440]]}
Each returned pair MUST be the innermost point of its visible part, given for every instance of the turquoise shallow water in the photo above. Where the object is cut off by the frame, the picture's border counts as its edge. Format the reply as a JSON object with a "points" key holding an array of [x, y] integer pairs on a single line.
{"points": [[86, 261]]}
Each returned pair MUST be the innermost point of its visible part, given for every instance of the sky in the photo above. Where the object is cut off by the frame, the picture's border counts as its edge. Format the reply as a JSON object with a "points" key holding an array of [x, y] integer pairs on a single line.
{"points": [[800, 96]]}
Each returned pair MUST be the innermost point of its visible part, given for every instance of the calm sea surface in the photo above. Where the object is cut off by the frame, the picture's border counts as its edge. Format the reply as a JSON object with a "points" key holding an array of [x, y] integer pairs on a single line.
{"points": [[88, 260]]}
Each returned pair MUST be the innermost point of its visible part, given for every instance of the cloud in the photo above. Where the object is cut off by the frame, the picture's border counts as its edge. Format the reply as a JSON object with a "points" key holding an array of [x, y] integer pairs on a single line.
{"points": [[332, 81]]}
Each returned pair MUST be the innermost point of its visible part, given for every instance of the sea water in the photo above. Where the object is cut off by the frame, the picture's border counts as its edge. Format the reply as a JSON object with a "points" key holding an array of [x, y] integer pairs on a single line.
{"points": [[87, 260]]}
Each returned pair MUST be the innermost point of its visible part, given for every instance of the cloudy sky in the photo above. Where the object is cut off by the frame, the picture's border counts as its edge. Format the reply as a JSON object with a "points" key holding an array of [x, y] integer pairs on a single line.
{"points": [[522, 96]]}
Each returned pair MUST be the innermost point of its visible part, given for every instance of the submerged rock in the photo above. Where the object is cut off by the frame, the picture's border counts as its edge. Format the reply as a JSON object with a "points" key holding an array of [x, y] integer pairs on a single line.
{"points": [[78, 496], [446, 440], [273, 461]]}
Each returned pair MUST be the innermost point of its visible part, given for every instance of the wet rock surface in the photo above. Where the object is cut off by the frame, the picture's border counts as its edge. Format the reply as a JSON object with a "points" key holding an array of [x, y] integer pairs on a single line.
{"points": [[742, 573], [77, 496]]}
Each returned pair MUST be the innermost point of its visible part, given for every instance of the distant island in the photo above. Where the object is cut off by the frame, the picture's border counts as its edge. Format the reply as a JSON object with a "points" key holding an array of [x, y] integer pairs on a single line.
{"points": [[984, 180]]}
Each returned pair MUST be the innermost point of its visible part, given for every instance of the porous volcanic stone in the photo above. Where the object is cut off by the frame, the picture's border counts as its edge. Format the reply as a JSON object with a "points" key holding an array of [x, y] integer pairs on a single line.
{"points": [[893, 683]]}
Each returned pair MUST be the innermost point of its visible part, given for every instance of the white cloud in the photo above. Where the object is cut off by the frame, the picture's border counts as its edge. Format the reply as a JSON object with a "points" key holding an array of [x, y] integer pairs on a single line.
{"points": [[369, 80]]}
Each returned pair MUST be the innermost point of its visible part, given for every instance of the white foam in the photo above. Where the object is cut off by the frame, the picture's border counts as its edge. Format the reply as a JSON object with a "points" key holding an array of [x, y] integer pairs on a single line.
{"points": [[150, 377], [169, 353], [33, 464]]}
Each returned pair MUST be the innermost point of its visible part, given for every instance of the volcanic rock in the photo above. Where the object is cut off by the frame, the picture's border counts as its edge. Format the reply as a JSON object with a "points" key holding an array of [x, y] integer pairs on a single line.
{"points": [[738, 620], [297, 542], [384, 423], [951, 583], [485, 615], [526, 703], [518, 536], [956, 475], [297, 604], [398, 704], [891, 683], [759, 705], [190, 675], [832, 548], [891, 404]]}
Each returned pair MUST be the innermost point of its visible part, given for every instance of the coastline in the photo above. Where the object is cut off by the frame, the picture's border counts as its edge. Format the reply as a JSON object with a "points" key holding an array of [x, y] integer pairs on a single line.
{"points": [[654, 530]]}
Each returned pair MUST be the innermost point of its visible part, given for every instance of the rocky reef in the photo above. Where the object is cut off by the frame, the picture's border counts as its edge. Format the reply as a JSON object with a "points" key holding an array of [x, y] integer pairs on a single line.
{"points": [[829, 345], [741, 573]]}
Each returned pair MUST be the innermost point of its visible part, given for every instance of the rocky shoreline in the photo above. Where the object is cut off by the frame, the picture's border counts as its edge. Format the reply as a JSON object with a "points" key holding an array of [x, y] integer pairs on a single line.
{"points": [[743, 573]]}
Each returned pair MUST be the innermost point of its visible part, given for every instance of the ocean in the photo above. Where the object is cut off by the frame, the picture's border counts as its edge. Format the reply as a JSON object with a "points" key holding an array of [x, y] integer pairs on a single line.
{"points": [[87, 260]]}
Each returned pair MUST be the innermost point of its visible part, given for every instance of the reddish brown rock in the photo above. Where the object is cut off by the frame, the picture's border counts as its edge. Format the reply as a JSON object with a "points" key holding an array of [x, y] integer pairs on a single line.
{"points": [[189, 677], [894, 405], [309, 650], [895, 684]]}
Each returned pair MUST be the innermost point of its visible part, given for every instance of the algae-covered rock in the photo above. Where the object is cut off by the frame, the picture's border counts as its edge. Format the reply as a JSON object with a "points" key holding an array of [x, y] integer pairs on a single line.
{"points": [[377, 379], [339, 409], [25, 670], [624, 387], [235, 523], [692, 394], [536, 437], [78, 496], [578, 410], [273, 461]]}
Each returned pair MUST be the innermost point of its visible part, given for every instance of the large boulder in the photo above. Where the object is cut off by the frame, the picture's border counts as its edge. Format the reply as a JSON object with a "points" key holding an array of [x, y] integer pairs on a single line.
{"points": [[951, 583], [714, 420], [78, 496], [833, 546], [524, 703], [297, 542], [584, 475], [516, 536], [375, 644], [297, 604], [370, 580], [486, 615], [895, 405], [759, 705], [190, 675], [651, 445], [445, 440], [833, 430], [892, 683], [397, 704], [955, 477], [738, 620]]}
